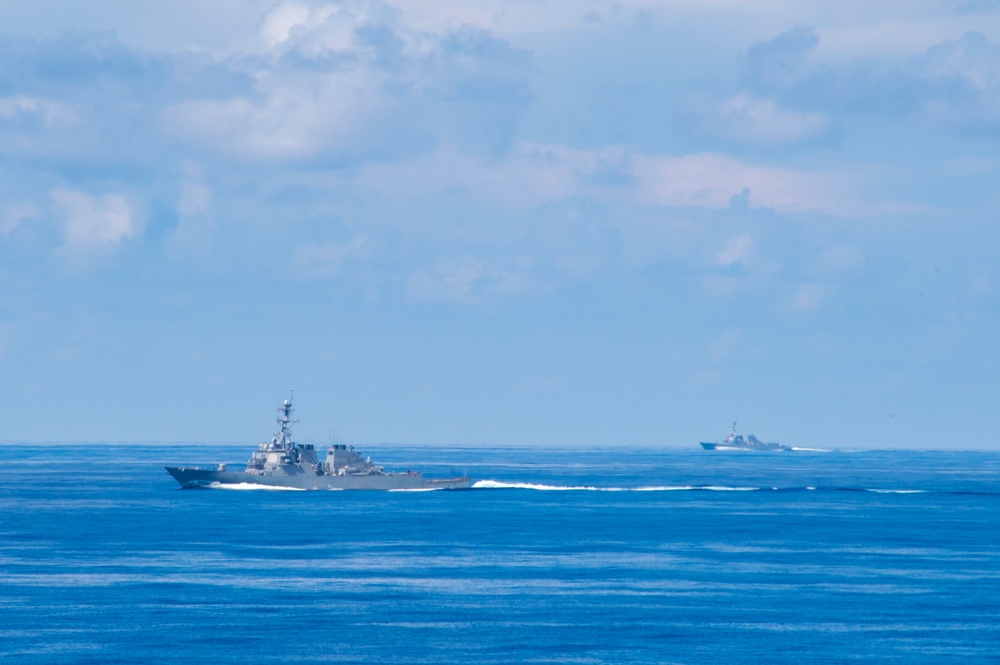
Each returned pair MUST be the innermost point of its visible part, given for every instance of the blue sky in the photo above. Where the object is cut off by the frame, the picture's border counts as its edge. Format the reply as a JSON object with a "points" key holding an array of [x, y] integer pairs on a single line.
{"points": [[533, 223]]}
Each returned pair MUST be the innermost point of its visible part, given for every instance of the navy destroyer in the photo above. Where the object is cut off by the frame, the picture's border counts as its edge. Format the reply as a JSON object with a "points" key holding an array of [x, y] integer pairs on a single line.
{"points": [[282, 463], [739, 442]]}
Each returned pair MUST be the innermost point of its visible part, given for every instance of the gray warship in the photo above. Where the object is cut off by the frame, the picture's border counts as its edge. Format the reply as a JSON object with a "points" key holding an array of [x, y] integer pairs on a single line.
{"points": [[282, 463], [739, 442]]}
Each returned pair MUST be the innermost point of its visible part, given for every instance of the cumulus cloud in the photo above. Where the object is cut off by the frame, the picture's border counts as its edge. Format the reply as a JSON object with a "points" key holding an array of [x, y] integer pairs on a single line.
{"points": [[341, 81], [965, 73], [14, 214], [93, 222], [787, 71], [471, 279], [322, 28], [807, 298], [325, 258], [790, 95], [194, 230], [776, 62], [776, 103], [294, 118], [536, 174], [712, 181], [49, 113], [317, 89], [738, 249], [530, 175], [753, 121], [85, 104], [34, 125], [409, 109]]}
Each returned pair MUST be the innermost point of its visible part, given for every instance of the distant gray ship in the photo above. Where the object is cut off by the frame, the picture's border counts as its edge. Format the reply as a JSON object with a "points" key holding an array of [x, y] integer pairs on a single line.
{"points": [[283, 464], [739, 442]]}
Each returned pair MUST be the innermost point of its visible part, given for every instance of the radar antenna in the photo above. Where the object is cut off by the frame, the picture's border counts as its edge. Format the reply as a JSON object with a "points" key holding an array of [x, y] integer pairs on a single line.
{"points": [[283, 437]]}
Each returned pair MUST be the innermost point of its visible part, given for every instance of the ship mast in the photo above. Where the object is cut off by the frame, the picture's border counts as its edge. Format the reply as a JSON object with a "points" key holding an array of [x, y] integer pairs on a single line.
{"points": [[283, 437]]}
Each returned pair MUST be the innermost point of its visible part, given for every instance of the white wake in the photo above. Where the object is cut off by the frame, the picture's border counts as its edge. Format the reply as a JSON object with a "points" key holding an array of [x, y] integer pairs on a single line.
{"points": [[253, 486], [496, 484]]}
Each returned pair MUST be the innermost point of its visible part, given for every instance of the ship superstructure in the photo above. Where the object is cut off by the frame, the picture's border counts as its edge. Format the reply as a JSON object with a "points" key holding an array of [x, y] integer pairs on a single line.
{"points": [[283, 463]]}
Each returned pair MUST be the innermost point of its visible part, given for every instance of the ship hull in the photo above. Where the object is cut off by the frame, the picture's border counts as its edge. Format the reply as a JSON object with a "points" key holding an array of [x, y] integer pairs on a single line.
{"points": [[723, 446], [195, 478]]}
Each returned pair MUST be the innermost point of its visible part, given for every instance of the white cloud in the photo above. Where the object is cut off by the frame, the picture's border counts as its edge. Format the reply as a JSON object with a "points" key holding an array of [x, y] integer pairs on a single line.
{"points": [[319, 28], [193, 234], [325, 258], [712, 181], [531, 175], [194, 199], [953, 81], [91, 222], [807, 298], [551, 16], [346, 82], [535, 174], [738, 249], [223, 24], [319, 89], [964, 78], [279, 23], [14, 214], [971, 59], [752, 121], [297, 117], [896, 36], [51, 113], [469, 279]]}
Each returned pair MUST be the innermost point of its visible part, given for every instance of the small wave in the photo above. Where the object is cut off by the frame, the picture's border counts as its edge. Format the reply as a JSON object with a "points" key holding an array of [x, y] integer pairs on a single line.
{"points": [[253, 486], [812, 450], [896, 491], [418, 489]]}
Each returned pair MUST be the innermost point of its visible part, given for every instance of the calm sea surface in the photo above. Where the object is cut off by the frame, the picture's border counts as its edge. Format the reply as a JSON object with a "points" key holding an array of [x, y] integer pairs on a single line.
{"points": [[594, 556]]}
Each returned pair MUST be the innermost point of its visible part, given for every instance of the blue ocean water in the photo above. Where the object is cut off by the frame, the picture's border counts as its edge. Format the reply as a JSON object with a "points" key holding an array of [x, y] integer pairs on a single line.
{"points": [[558, 556]]}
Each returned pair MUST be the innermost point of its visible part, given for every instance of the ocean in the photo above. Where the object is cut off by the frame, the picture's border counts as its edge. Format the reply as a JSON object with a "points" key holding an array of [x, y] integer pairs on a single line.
{"points": [[556, 556]]}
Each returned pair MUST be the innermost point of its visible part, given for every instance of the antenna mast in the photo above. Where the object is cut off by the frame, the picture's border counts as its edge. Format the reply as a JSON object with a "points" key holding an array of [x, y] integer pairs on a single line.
{"points": [[283, 437]]}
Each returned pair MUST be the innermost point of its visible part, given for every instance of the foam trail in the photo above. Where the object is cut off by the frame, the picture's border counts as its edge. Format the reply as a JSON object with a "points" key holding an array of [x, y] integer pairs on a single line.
{"points": [[496, 484], [253, 486]]}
